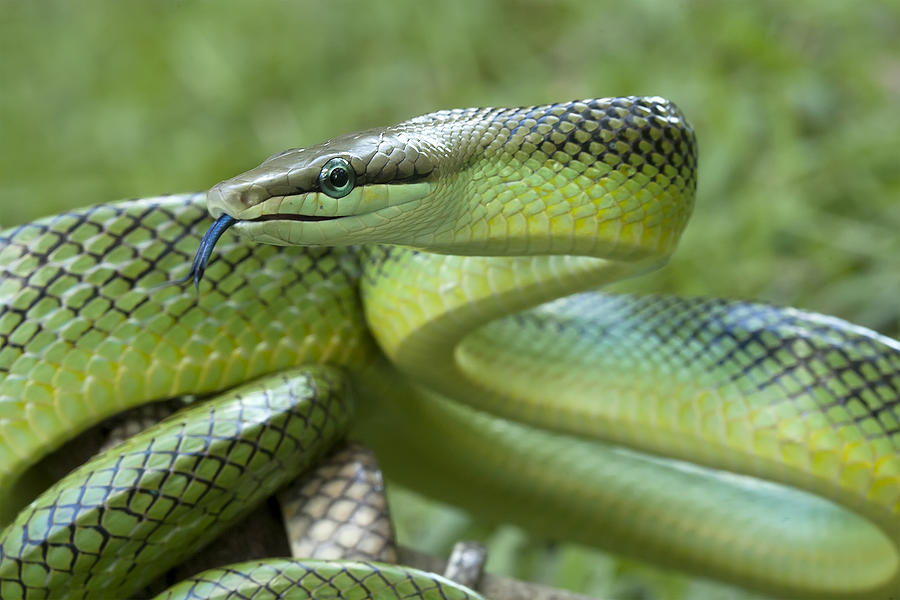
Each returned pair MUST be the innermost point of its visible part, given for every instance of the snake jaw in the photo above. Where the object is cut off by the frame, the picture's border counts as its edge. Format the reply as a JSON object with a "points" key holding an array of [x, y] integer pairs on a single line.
{"points": [[374, 198], [368, 214]]}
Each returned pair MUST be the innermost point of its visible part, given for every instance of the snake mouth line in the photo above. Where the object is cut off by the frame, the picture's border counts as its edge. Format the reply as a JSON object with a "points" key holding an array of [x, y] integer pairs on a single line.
{"points": [[289, 217]]}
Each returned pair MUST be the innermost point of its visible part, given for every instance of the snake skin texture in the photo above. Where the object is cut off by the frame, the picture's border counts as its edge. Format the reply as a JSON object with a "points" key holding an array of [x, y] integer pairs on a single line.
{"points": [[316, 579], [86, 331], [743, 442], [339, 510], [781, 394], [104, 528]]}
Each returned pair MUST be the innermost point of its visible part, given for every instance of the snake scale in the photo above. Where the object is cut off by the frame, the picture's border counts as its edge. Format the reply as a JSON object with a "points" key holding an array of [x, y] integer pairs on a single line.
{"points": [[419, 285]]}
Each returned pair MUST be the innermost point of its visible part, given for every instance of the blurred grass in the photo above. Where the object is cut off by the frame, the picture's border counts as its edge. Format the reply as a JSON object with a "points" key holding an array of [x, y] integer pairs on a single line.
{"points": [[795, 106]]}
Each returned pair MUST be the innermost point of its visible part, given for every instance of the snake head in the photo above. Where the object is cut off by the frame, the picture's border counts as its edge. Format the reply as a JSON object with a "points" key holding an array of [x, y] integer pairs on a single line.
{"points": [[333, 193], [609, 177]]}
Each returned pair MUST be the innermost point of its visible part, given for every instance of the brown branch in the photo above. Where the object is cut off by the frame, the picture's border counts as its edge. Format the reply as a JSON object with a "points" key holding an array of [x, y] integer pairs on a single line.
{"points": [[493, 587]]}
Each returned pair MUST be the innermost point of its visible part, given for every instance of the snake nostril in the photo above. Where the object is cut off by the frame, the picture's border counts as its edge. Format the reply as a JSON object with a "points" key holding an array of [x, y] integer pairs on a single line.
{"points": [[234, 195], [215, 201]]}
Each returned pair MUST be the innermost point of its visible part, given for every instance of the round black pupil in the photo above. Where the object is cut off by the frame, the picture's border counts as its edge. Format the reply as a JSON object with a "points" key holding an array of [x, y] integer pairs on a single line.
{"points": [[338, 177]]}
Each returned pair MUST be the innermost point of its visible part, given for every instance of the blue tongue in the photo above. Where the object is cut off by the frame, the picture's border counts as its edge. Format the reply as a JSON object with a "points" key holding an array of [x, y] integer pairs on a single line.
{"points": [[205, 250]]}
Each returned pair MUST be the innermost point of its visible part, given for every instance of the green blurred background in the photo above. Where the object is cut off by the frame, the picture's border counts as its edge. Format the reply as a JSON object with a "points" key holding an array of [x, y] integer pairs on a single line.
{"points": [[795, 106]]}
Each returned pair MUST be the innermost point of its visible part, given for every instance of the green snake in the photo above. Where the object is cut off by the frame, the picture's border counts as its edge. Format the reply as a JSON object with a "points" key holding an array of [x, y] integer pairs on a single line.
{"points": [[428, 269]]}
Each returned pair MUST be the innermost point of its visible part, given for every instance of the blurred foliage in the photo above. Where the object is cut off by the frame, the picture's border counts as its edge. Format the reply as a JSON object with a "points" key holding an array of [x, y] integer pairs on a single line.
{"points": [[795, 106]]}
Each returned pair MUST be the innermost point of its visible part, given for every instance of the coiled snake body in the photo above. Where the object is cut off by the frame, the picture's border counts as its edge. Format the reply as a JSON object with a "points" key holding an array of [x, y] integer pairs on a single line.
{"points": [[741, 441]]}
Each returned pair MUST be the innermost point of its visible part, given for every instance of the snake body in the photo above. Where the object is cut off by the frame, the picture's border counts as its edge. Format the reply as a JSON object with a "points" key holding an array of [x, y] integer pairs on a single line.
{"points": [[277, 579], [181, 478], [745, 442]]}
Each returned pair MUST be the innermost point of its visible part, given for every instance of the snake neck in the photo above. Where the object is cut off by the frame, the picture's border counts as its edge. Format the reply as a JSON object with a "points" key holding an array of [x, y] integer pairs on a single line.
{"points": [[426, 310], [611, 178]]}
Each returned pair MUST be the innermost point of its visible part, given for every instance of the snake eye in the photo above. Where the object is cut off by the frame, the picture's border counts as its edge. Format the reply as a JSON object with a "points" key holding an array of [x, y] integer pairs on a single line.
{"points": [[337, 178]]}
